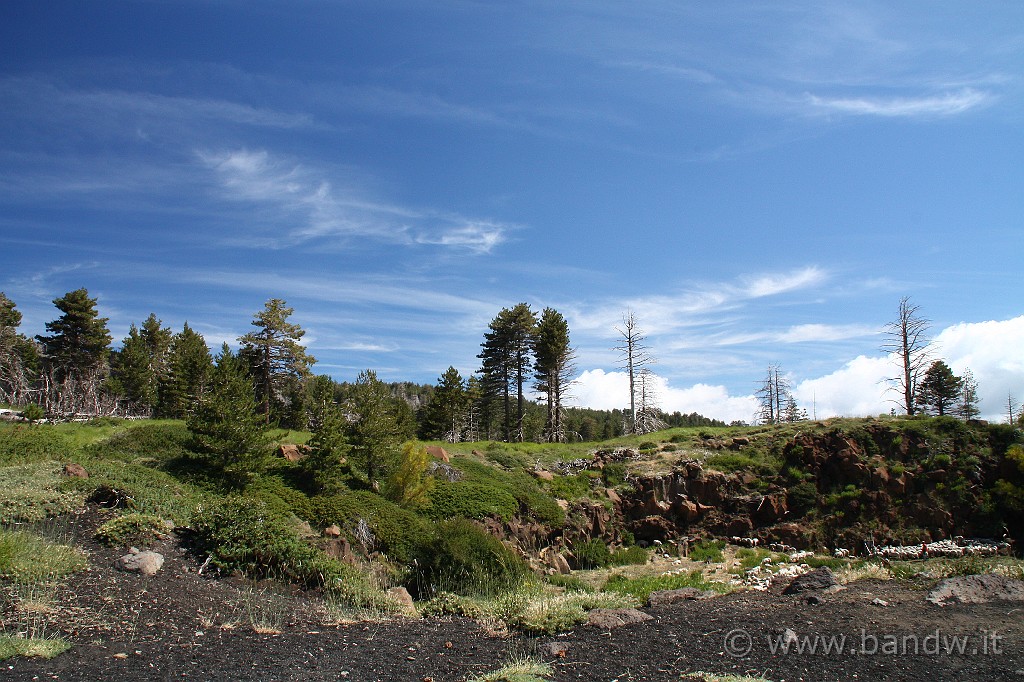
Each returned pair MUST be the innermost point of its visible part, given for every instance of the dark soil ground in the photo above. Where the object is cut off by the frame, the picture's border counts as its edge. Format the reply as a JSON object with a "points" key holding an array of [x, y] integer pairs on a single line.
{"points": [[180, 624]]}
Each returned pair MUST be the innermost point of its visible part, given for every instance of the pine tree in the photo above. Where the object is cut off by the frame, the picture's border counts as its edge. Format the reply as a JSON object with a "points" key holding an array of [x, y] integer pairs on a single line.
{"points": [[132, 374], [277, 357], [80, 341], [553, 369], [446, 414], [18, 356], [76, 356], [374, 431], [967, 409], [939, 389], [189, 366], [227, 431], [328, 445], [506, 363]]}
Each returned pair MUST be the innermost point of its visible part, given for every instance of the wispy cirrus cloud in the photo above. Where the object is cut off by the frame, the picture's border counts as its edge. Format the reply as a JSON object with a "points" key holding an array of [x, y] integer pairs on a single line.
{"points": [[318, 208], [942, 104]]}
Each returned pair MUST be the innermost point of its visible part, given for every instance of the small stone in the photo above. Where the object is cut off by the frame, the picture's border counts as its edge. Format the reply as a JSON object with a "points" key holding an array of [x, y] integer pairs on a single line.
{"points": [[120, 655], [879, 602], [813, 600], [144, 563]]}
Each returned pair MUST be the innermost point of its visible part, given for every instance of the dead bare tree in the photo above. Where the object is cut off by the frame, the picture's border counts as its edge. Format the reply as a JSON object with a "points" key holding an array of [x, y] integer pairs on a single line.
{"points": [[647, 413], [907, 339], [635, 357]]}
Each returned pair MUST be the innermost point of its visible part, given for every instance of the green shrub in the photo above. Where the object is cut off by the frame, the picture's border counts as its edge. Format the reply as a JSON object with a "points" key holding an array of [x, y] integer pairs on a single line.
{"points": [[160, 441], [131, 529], [614, 473], [551, 614], [802, 497], [28, 558], [240, 533], [446, 603], [571, 583], [395, 531], [627, 556], [532, 500], [709, 551], [641, 587], [470, 500], [462, 558], [570, 487], [20, 444], [592, 553], [34, 491], [32, 647]]}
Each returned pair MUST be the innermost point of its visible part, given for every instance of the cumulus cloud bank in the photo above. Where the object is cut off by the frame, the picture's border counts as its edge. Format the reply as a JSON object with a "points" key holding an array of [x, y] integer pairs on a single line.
{"points": [[992, 350]]}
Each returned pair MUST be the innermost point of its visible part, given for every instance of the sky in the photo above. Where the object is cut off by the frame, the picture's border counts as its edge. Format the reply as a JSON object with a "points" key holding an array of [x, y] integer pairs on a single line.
{"points": [[758, 183]]}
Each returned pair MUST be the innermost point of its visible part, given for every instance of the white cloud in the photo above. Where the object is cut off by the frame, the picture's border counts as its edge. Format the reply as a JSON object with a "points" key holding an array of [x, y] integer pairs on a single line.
{"points": [[858, 389], [778, 283], [325, 211], [946, 104], [610, 390], [992, 350]]}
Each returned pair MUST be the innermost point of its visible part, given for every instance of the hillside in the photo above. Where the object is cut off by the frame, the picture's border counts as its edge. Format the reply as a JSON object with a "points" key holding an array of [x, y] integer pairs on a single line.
{"points": [[523, 538]]}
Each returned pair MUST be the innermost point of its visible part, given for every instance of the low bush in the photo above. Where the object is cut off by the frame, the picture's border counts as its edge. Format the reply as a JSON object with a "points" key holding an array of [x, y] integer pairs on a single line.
{"points": [[34, 491], [802, 497], [614, 474], [551, 614], [28, 558], [570, 487], [570, 583], [470, 500], [531, 499], [641, 587], [32, 647], [628, 556], [240, 533], [461, 557], [131, 529], [373, 523], [20, 443], [709, 551], [592, 553]]}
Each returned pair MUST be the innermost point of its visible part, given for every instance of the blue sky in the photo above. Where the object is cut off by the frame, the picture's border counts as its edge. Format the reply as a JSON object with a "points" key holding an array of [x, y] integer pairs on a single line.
{"points": [[758, 182]]}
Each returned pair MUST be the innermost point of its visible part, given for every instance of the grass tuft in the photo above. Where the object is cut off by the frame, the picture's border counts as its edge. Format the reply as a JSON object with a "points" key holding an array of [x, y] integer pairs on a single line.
{"points": [[518, 670]]}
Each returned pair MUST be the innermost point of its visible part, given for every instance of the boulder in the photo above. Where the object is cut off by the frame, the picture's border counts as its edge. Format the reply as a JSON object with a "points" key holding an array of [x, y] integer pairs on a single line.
{"points": [[819, 579], [609, 619], [73, 470], [977, 589], [293, 453], [401, 596], [332, 531], [144, 563], [438, 452], [542, 475]]}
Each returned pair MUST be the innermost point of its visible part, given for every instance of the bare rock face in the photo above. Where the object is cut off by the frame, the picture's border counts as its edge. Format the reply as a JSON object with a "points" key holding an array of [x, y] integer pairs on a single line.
{"points": [[144, 563], [977, 589], [73, 470], [609, 619]]}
